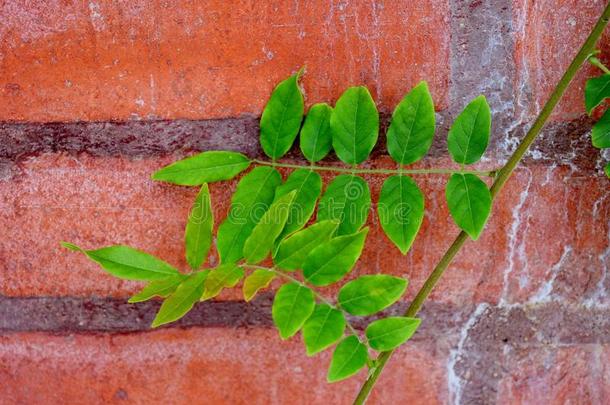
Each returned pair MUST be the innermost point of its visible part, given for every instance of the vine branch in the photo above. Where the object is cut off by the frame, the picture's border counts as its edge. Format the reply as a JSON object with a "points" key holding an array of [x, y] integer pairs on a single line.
{"points": [[503, 175]]}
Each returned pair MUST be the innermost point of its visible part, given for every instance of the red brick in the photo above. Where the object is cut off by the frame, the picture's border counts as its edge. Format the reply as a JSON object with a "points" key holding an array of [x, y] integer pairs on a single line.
{"points": [[217, 366], [557, 375], [101, 201], [116, 61], [549, 33]]}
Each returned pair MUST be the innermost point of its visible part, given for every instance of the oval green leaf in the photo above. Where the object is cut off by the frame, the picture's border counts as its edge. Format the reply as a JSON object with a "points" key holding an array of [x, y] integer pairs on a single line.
{"points": [[223, 276], [293, 251], [412, 127], [347, 199], [316, 139], [354, 125], [127, 263], [469, 134], [263, 236], [596, 90], [255, 193], [205, 167], [308, 185], [600, 135], [181, 300], [469, 202], [370, 294], [401, 210], [323, 328], [389, 333], [348, 358], [198, 233], [292, 305], [282, 118], [331, 261], [255, 282], [158, 288], [607, 170]]}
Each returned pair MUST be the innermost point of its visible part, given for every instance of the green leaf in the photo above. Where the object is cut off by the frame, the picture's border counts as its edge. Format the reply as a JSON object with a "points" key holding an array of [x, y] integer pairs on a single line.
{"points": [[349, 357], [255, 193], [469, 134], [198, 233], [205, 167], [347, 199], [596, 90], [389, 333], [331, 261], [292, 305], [293, 251], [412, 128], [367, 295], [469, 202], [401, 210], [223, 276], [256, 281], [127, 263], [316, 139], [323, 328], [158, 288], [354, 125], [181, 300], [263, 236], [282, 118], [607, 170], [601, 132], [308, 186]]}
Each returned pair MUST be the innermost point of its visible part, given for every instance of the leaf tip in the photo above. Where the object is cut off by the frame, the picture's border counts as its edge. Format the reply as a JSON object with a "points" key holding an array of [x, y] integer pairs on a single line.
{"points": [[71, 246]]}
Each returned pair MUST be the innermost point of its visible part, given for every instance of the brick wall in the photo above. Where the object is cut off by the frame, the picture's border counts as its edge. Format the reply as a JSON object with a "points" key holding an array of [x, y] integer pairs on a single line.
{"points": [[94, 96]]}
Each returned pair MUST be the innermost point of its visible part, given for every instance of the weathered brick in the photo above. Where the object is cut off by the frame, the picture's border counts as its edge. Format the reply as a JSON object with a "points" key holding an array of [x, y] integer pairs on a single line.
{"points": [[548, 34], [236, 366], [543, 214], [111, 61]]}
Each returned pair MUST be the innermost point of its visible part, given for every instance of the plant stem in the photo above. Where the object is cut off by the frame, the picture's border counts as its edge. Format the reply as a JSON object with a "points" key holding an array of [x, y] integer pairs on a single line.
{"points": [[503, 175], [317, 294], [597, 63], [355, 170]]}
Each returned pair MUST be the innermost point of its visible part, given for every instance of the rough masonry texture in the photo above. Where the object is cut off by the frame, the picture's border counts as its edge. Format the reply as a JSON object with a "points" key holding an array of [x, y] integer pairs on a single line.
{"points": [[95, 96]]}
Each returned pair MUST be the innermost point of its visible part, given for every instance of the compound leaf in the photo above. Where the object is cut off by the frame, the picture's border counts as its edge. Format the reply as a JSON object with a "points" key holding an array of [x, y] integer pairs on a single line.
{"points": [[389, 333], [354, 125], [256, 281], [292, 251], [263, 236], [469, 134], [205, 167], [282, 118], [469, 202], [316, 139], [308, 185], [255, 193], [292, 305], [401, 210], [596, 90], [158, 288], [412, 127], [348, 358], [181, 300], [323, 328], [367, 295], [198, 233], [331, 261], [127, 263], [347, 199], [223, 276]]}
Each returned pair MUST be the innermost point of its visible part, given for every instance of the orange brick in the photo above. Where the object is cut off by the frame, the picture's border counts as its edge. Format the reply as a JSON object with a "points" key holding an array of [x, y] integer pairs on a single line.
{"points": [[116, 61]]}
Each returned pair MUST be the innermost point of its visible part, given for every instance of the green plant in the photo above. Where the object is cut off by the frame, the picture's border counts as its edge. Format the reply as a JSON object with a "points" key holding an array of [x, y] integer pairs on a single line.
{"points": [[270, 219]]}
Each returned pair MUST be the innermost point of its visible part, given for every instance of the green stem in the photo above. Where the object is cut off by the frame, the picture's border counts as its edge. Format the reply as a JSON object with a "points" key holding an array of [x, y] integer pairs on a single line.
{"points": [[316, 293], [597, 63], [503, 175], [355, 170]]}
